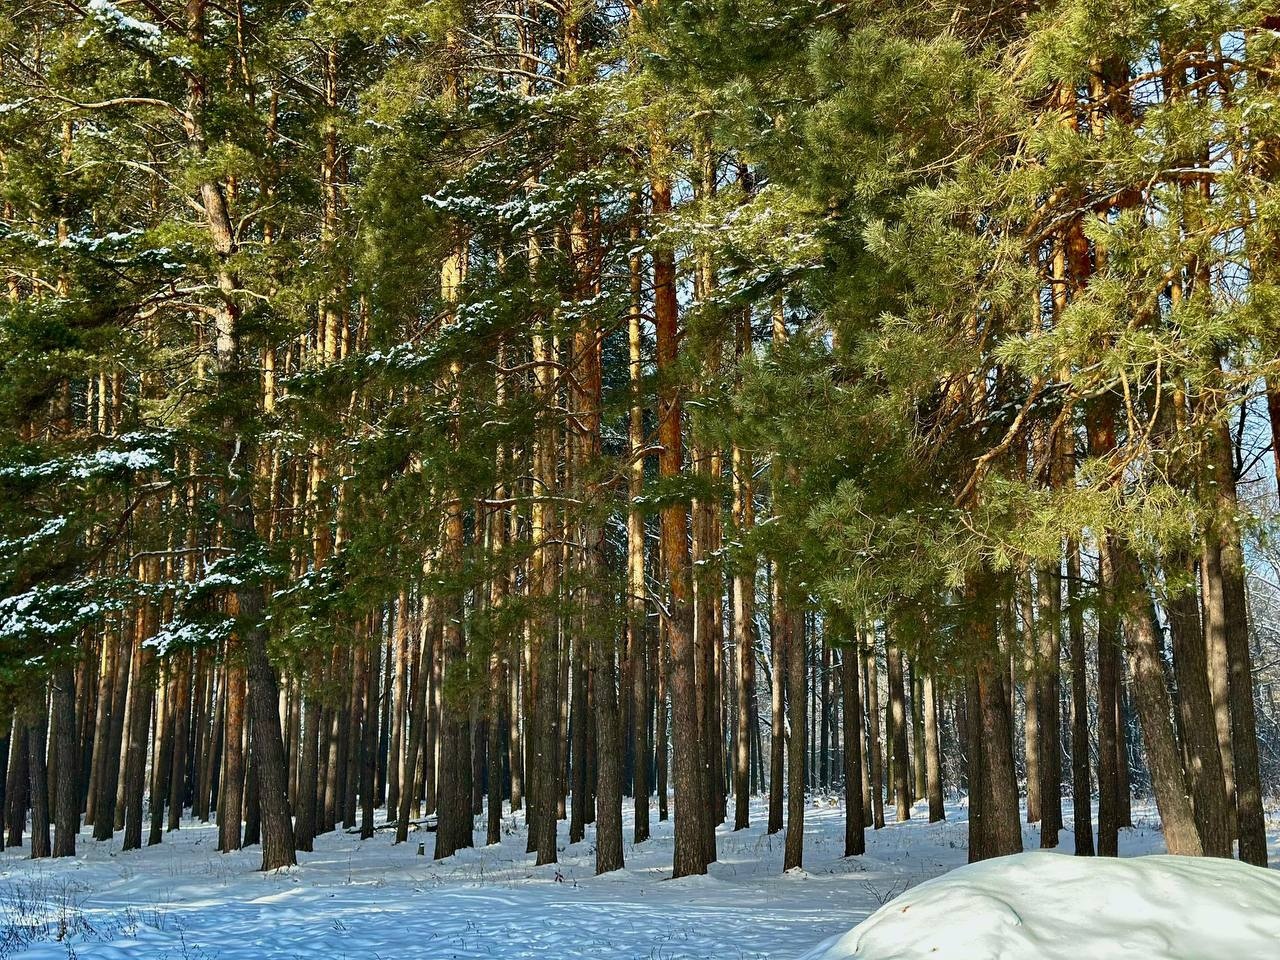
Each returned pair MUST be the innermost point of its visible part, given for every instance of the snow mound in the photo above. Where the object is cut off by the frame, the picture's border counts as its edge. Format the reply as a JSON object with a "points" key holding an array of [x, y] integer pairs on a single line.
{"points": [[1046, 906]]}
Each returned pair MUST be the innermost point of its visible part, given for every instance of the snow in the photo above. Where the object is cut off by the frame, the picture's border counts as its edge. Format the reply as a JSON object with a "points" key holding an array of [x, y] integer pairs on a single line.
{"points": [[370, 899], [1040, 906], [112, 17]]}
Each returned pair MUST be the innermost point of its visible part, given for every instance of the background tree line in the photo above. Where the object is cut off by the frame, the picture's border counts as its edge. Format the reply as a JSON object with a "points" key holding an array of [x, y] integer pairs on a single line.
{"points": [[452, 404]]}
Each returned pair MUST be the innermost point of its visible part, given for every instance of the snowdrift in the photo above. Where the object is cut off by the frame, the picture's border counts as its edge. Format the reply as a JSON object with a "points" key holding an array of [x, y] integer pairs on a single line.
{"points": [[1046, 906]]}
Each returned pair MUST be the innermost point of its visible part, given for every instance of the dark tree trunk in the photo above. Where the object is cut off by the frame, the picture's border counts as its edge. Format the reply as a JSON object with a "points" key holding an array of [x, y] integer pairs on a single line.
{"points": [[979, 842], [493, 746], [369, 735], [1152, 698], [744, 589], [1195, 715], [182, 718], [932, 752], [305, 828], [231, 805], [1108, 711], [162, 759], [793, 855], [873, 715], [661, 723], [454, 818], [415, 735], [269, 758], [105, 808], [1226, 614], [578, 724], [1002, 830], [1048, 654], [898, 706], [608, 772], [37, 726], [135, 761], [919, 787], [17, 784], [66, 764], [640, 709], [1081, 785], [991, 741], [778, 634], [854, 814], [690, 856]]}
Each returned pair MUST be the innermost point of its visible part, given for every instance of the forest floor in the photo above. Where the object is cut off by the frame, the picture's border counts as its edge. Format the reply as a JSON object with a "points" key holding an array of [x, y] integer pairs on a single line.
{"points": [[358, 899]]}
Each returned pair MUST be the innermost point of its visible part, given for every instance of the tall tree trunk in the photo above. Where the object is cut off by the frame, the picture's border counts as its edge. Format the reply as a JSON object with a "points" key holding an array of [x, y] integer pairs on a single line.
{"points": [[932, 751], [1152, 700], [744, 615], [1195, 714], [637, 634], [231, 805], [1048, 655], [898, 706], [543, 718], [277, 818], [305, 829], [162, 761], [1081, 785], [66, 813], [17, 791], [778, 633], [1031, 688], [793, 854], [578, 724], [991, 739], [135, 760], [493, 746], [102, 726], [661, 723], [369, 731], [415, 753], [690, 856], [38, 780], [918, 759], [1226, 611], [181, 739], [855, 818], [399, 703], [873, 715]]}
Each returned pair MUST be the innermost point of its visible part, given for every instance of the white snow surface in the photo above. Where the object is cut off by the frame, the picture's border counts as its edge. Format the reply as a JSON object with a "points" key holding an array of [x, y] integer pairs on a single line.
{"points": [[1040, 906], [356, 899]]}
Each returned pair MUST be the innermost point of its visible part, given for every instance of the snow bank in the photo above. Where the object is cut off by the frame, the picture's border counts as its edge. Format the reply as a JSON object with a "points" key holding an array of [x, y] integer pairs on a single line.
{"points": [[1045, 906]]}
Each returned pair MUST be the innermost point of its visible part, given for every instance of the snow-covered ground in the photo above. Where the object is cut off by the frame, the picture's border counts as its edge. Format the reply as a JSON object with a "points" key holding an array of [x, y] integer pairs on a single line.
{"points": [[373, 900]]}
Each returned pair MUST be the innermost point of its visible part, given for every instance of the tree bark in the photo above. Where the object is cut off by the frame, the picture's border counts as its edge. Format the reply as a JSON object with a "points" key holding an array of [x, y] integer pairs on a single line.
{"points": [[1153, 704], [932, 752], [1081, 785], [873, 715], [793, 854], [38, 780], [1195, 714], [778, 633], [1048, 654], [855, 817], [744, 615], [898, 706], [690, 856], [1226, 613], [66, 813], [231, 806]]}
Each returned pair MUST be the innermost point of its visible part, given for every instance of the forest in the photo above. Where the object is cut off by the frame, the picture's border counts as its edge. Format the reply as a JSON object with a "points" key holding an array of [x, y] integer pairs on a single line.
{"points": [[444, 417]]}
